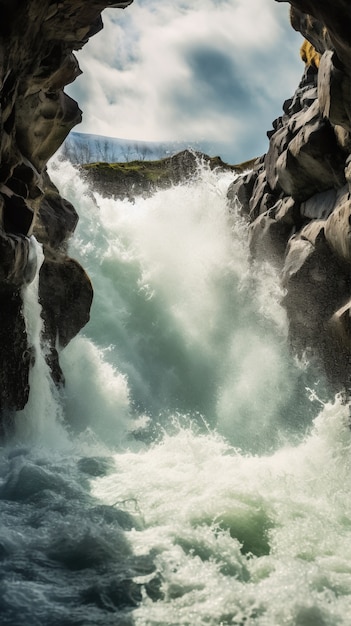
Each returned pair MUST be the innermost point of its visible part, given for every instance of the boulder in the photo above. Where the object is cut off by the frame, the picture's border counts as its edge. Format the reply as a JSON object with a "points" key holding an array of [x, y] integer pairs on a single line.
{"points": [[340, 327], [287, 210], [334, 88], [337, 347], [312, 162], [240, 191], [66, 294], [319, 206], [262, 197], [268, 238], [338, 227], [316, 283]]}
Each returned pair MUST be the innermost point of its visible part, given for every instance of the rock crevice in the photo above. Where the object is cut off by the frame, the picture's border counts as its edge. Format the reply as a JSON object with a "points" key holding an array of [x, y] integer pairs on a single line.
{"points": [[298, 196]]}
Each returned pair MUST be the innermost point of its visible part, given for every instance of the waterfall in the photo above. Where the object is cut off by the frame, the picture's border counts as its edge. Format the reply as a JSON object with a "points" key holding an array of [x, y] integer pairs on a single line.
{"points": [[191, 472], [41, 418]]}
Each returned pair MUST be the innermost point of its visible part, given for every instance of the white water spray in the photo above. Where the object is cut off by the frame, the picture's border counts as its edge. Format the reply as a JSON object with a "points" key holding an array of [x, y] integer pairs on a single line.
{"points": [[182, 313], [40, 420], [217, 537]]}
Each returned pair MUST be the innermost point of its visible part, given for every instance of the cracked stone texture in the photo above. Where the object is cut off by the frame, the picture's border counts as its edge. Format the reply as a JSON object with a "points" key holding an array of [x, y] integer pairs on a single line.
{"points": [[37, 43], [298, 195]]}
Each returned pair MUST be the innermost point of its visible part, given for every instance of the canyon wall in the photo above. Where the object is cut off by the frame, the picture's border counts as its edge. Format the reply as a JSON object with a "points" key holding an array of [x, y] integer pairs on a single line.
{"points": [[298, 195], [37, 40]]}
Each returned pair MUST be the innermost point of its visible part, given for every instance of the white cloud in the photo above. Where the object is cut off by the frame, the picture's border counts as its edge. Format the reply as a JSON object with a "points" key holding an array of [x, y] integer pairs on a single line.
{"points": [[181, 70]]}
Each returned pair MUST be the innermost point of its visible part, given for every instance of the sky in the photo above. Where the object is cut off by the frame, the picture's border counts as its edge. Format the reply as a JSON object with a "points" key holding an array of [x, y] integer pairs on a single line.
{"points": [[211, 71]]}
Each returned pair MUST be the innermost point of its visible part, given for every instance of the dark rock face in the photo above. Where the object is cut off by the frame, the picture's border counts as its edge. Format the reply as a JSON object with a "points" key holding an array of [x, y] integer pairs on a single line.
{"points": [[143, 178], [37, 39], [298, 196]]}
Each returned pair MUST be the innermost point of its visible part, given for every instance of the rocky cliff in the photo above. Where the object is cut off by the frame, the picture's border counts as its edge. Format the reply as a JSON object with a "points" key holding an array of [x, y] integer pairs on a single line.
{"points": [[135, 178], [37, 40], [298, 195]]}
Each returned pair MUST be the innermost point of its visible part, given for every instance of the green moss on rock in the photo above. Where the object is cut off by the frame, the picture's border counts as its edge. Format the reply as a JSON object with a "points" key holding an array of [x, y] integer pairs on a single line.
{"points": [[143, 177]]}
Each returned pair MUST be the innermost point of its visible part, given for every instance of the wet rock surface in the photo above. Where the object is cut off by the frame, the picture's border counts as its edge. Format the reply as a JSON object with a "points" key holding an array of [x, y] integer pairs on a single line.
{"points": [[143, 178], [37, 43], [298, 196]]}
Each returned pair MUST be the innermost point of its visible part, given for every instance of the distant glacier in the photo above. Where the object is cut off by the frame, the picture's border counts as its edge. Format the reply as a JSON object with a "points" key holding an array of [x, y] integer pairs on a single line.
{"points": [[89, 148]]}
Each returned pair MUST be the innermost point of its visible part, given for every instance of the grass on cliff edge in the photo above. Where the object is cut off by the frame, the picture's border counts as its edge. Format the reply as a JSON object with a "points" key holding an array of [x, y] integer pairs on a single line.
{"points": [[154, 172]]}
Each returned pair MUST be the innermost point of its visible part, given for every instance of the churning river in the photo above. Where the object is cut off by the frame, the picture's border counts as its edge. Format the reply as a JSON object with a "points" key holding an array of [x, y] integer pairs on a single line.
{"points": [[192, 473]]}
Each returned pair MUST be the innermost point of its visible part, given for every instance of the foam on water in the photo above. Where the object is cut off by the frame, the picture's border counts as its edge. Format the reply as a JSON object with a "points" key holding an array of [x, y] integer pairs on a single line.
{"points": [[184, 477], [41, 418], [184, 315], [243, 539]]}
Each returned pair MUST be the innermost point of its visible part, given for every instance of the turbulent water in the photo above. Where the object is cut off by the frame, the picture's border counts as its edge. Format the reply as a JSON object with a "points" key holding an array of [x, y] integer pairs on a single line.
{"points": [[192, 473]]}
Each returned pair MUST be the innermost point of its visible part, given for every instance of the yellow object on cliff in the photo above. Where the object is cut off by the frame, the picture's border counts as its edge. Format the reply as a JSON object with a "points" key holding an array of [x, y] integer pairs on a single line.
{"points": [[309, 54]]}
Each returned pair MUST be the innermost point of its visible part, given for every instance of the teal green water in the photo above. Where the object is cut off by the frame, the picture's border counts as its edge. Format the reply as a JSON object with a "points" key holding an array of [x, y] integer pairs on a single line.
{"points": [[188, 475], [182, 313]]}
